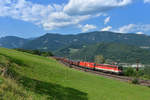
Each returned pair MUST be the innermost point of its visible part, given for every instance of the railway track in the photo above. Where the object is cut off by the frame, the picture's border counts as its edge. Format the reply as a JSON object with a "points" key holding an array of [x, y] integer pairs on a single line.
{"points": [[109, 75]]}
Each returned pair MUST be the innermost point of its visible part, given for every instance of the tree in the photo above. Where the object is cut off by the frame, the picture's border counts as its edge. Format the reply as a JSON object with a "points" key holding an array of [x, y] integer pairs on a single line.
{"points": [[108, 61], [147, 71], [129, 72], [99, 59]]}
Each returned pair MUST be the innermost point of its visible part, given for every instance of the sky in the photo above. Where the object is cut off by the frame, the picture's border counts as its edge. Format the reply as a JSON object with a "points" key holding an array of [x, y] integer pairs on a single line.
{"points": [[33, 18]]}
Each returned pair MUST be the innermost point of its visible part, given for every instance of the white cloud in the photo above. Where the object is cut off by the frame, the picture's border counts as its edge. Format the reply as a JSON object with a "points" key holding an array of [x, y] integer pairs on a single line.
{"points": [[85, 7], [146, 1], [60, 19], [139, 33], [107, 20], [49, 17], [87, 27], [3, 34], [126, 28], [55, 16], [108, 28], [134, 28]]}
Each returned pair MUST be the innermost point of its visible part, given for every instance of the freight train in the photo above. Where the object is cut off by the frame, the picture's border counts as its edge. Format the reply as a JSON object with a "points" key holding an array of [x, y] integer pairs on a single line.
{"points": [[93, 66]]}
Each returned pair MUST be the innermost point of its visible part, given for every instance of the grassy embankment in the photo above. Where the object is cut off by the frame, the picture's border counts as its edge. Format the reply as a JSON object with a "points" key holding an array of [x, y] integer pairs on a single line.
{"points": [[34, 77]]}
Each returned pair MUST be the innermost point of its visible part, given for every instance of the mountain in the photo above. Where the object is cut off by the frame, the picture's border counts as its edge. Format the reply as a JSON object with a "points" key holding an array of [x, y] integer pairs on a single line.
{"points": [[48, 42], [54, 42], [57, 42], [69, 49], [12, 42], [112, 51]]}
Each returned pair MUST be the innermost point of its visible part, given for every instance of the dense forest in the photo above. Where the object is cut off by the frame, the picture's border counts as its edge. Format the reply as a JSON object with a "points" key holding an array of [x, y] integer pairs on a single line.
{"points": [[110, 51]]}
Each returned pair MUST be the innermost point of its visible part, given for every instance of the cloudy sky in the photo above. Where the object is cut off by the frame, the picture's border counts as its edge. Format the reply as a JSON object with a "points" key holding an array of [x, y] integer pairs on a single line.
{"points": [[32, 18]]}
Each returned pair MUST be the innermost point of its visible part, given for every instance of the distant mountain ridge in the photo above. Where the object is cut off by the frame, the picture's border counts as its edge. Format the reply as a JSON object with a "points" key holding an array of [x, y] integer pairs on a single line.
{"points": [[53, 42], [12, 42]]}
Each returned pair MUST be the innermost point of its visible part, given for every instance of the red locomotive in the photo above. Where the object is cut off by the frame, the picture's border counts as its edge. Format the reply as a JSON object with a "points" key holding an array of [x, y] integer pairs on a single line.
{"points": [[90, 65], [102, 67]]}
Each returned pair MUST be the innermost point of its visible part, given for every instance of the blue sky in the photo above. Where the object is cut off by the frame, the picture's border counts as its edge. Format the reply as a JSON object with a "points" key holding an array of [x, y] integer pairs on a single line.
{"points": [[32, 18]]}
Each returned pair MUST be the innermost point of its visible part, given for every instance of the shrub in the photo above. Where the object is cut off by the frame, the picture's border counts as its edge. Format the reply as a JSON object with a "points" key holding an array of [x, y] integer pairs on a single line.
{"points": [[147, 72], [135, 81], [140, 73], [129, 71]]}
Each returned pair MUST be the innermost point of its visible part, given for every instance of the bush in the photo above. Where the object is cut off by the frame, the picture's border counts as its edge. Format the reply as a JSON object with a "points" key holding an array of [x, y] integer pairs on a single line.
{"points": [[135, 81], [140, 73], [147, 72], [129, 71]]}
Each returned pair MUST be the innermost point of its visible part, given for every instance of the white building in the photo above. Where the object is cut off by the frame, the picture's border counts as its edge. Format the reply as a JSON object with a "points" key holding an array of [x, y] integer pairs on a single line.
{"points": [[132, 65]]}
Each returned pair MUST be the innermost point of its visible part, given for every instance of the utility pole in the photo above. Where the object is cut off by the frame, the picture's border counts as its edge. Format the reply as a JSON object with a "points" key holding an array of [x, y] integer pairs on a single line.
{"points": [[118, 61], [137, 62], [85, 58]]}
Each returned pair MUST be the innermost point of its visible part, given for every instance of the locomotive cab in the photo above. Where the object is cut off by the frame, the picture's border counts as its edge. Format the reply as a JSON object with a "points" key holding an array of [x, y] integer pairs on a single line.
{"points": [[120, 68]]}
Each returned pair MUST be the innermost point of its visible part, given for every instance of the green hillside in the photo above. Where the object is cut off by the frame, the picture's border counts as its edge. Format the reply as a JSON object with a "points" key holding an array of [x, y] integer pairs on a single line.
{"points": [[39, 78], [112, 51]]}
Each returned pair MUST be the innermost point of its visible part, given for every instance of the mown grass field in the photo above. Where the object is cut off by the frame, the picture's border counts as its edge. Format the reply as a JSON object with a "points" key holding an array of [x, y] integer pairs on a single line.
{"points": [[40, 78]]}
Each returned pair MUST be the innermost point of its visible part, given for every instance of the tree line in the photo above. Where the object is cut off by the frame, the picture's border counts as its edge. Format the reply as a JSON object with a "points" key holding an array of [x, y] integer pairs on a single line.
{"points": [[36, 52]]}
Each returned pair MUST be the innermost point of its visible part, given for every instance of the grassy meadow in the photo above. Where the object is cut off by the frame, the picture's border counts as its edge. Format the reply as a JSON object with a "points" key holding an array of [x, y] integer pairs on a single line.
{"points": [[34, 77]]}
